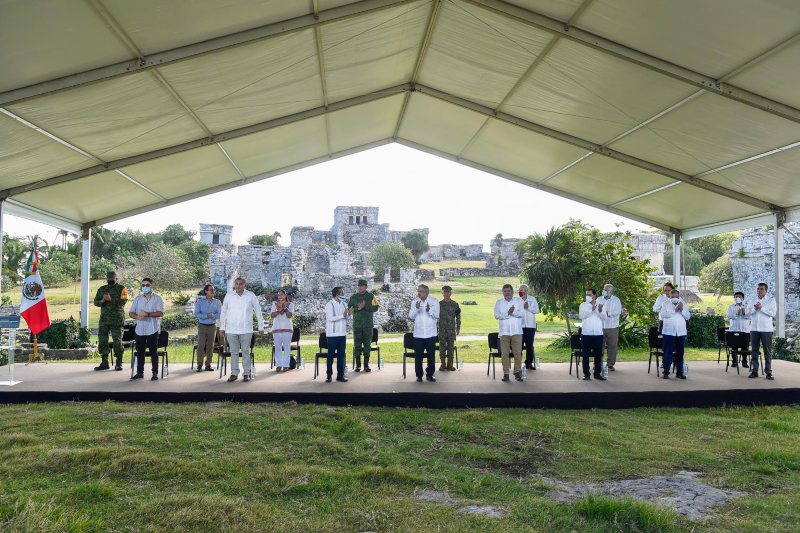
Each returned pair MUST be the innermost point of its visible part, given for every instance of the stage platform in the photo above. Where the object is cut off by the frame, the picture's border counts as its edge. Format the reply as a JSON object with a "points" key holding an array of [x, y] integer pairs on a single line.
{"points": [[551, 386]]}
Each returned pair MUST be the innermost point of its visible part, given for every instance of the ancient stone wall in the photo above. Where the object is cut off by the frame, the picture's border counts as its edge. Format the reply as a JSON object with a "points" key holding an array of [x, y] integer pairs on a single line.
{"points": [[507, 252], [221, 233], [650, 246], [445, 252]]}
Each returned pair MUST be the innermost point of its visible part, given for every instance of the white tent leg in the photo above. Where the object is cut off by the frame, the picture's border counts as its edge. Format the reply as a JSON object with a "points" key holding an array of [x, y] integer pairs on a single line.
{"points": [[780, 271], [86, 257], [676, 259], [2, 217]]}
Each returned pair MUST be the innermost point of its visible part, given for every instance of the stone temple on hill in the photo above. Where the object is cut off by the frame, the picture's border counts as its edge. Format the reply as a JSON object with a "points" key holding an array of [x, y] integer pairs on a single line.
{"points": [[315, 260]]}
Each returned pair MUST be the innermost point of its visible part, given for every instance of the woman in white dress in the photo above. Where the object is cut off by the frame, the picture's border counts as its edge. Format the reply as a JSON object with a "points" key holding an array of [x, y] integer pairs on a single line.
{"points": [[282, 311]]}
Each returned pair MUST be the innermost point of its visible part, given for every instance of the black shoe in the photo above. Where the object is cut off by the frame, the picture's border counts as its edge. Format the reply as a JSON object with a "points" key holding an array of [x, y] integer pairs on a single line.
{"points": [[745, 365], [769, 376], [199, 368], [529, 367], [102, 366], [341, 379], [505, 378], [208, 368], [419, 380], [666, 376], [734, 365], [137, 376], [518, 376], [328, 379], [587, 378], [358, 369], [601, 378], [753, 375], [611, 368], [118, 367], [431, 378], [680, 376], [367, 369], [154, 378]]}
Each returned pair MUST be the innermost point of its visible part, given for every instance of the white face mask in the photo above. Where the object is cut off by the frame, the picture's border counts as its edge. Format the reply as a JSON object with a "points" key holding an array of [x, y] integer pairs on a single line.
{"points": [[605, 294], [588, 299], [738, 300], [673, 300]]}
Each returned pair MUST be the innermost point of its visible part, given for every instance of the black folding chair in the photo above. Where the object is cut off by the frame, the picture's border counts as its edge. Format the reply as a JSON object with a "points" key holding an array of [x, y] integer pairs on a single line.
{"points": [[721, 340], [408, 350], [294, 346], [494, 353], [128, 340], [322, 353], [575, 354], [655, 341], [163, 353], [737, 347], [373, 347]]}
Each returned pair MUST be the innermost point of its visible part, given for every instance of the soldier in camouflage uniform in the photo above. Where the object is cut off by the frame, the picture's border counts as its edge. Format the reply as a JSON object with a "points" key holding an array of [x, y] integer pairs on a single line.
{"points": [[111, 299], [449, 327], [362, 306]]}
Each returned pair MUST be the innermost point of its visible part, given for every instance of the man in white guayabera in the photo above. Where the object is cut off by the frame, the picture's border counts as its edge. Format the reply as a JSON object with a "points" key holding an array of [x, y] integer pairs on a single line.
{"points": [[236, 324]]}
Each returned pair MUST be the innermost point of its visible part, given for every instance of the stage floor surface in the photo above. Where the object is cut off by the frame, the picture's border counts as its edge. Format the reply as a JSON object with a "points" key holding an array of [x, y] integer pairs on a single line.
{"points": [[551, 386]]}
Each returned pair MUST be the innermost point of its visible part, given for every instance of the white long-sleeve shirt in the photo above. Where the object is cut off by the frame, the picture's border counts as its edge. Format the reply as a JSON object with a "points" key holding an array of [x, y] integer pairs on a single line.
{"points": [[662, 298], [426, 318], [592, 320], [738, 323], [529, 314], [761, 319], [335, 318], [282, 323], [237, 313], [612, 309], [674, 321], [509, 324]]}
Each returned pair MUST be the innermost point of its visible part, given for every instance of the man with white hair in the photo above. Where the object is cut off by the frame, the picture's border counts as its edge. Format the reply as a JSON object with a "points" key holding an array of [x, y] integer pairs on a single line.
{"points": [[530, 307], [425, 314], [236, 325], [610, 308]]}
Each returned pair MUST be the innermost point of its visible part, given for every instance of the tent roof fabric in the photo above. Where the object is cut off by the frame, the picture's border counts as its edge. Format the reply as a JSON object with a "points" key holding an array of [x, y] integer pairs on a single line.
{"points": [[681, 115]]}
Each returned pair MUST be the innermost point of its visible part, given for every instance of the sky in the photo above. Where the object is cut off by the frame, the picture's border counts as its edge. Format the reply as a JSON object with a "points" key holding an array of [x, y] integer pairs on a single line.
{"points": [[413, 189]]}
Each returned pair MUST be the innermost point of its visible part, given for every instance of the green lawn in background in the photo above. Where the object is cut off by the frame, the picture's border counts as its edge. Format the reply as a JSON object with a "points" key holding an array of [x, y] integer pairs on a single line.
{"points": [[294, 468]]}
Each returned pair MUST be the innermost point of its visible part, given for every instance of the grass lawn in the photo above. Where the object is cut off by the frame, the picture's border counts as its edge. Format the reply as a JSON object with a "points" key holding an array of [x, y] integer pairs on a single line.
{"points": [[287, 467]]}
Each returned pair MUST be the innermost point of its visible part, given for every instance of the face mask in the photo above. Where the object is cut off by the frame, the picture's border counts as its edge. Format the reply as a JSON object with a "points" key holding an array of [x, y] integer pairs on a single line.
{"points": [[342, 298], [111, 282], [738, 300], [146, 289], [605, 293], [673, 300], [588, 299]]}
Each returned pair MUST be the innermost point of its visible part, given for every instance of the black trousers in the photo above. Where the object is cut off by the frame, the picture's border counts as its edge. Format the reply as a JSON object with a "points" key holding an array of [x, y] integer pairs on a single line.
{"points": [[423, 348], [592, 345], [528, 335], [150, 342]]}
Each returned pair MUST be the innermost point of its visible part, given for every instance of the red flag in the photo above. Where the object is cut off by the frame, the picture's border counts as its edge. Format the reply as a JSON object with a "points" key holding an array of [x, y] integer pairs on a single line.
{"points": [[33, 307]]}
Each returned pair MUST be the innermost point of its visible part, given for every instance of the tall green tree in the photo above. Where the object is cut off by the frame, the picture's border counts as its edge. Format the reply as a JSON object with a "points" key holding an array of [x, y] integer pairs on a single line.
{"points": [[417, 242], [175, 235], [562, 263], [166, 265], [265, 239], [718, 276], [390, 254], [498, 242]]}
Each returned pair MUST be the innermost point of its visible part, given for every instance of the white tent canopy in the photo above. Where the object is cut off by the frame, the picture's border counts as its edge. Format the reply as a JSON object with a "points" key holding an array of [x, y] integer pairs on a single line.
{"points": [[681, 115]]}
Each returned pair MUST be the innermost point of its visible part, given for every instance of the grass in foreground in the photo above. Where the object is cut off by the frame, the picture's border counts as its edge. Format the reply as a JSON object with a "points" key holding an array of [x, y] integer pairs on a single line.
{"points": [[269, 467]]}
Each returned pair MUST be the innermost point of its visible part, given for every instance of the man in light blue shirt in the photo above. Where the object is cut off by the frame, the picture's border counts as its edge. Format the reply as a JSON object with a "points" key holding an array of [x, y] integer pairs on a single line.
{"points": [[147, 310], [206, 310]]}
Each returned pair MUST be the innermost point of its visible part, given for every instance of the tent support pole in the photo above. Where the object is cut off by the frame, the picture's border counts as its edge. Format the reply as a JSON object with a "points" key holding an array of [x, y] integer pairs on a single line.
{"points": [[86, 258], [780, 272]]}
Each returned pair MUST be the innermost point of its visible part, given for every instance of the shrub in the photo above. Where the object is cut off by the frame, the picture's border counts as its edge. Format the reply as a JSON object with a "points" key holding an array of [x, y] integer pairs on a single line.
{"points": [[304, 322], [396, 324], [65, 334], [99, 266], [177, 321], [701, 331], [631, 335], [781, 349], [181, 299]]}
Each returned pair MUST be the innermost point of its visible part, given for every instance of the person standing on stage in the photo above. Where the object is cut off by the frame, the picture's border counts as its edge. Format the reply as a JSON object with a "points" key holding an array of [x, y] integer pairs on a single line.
{"points": [[739, 322], [336, 313], [530, 308], [425, 314], [207, 310], [591, 335], [147, 309], [363, 305], [282, 329], [449, 328], [761, 312], [236, 325], [111, 299], [674, 314], [610, 308], [508, 312]]}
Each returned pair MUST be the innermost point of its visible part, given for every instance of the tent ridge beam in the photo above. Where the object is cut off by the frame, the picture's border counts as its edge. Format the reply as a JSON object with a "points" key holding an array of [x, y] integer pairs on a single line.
{"points": [[535, 185], [238, 183], [630, 55], [207, 141], [423, 50], [595, 148], [182, 53]]}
